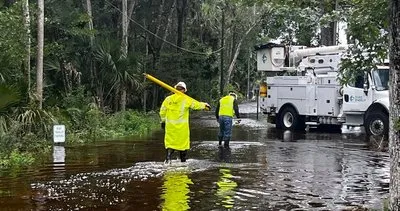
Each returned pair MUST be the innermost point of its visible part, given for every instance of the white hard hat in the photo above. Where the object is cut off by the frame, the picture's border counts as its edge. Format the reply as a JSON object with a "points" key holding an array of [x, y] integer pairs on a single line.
{"points": [[181, 84], [233, 94]]}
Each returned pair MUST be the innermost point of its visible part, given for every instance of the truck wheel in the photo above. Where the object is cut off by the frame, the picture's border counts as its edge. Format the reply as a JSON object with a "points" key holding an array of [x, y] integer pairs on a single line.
{"points": [[377, 124], [289, 119]]}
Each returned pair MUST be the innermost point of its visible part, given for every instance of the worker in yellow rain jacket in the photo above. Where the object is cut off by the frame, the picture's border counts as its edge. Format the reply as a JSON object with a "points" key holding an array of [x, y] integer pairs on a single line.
{"points": [[174, 115], [226, 108]]}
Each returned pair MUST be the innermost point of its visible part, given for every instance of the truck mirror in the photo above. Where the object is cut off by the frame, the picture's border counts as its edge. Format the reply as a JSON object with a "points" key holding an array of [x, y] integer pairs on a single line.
{"points": [[366, 84], [366, 88]]}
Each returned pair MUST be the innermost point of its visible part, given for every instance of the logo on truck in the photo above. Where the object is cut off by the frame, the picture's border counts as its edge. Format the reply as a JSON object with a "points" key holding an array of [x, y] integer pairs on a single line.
{"points": [[264, 58], [357, 99]]}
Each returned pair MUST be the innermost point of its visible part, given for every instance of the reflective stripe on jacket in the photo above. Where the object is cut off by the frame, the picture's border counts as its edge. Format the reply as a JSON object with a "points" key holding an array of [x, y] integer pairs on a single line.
{"points": [[175, 113], [226, 106]]}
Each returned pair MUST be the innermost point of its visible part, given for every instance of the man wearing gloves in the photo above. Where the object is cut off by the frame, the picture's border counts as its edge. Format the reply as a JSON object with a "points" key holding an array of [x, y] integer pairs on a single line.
{"points": [[174, 115], [226, 108]]}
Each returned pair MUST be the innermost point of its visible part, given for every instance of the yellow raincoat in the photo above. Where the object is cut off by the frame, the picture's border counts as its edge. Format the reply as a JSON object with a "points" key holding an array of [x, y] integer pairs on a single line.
{"points": [[176, 191], [175, 113]]}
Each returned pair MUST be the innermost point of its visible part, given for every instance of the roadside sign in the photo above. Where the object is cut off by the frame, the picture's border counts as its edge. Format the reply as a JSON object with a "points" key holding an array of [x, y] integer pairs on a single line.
{"points": [[59, 133]]}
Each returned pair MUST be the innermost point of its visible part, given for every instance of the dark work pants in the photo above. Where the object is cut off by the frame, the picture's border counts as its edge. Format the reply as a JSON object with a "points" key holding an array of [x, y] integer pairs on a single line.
{"points": [[169, 152], [225, 129]]}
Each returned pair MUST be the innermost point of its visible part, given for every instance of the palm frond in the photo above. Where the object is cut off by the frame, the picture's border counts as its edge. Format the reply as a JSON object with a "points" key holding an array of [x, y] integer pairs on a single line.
{"points": [[52, 65], [9, 96]]}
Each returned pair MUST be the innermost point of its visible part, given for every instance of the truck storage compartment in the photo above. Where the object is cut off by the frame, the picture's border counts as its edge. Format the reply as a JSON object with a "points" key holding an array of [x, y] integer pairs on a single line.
{"points": [[287, 80]]}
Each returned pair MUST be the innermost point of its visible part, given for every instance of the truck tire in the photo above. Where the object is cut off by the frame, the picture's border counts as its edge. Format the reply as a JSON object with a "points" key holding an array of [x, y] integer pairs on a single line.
{"points": [[289, 119], [377, 124]]}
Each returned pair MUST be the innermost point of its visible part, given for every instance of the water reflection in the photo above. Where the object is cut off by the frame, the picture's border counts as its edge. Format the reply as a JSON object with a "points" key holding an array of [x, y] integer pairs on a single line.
{"points": [[224, 154], [58, 155], [264, 169], [226, 188], [175, 191]]}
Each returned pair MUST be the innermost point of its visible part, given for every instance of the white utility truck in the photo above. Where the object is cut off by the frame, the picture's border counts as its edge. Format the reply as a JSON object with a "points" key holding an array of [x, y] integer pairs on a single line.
{"points": [[312, 95]]}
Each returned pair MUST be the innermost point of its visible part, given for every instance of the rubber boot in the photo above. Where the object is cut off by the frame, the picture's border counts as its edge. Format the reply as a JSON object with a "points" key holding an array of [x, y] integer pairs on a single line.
{"points": [[168, 156], [182, 155], [220, 140], [226, 143]]}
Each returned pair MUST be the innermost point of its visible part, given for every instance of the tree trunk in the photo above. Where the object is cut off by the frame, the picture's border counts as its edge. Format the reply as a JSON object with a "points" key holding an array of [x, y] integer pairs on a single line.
{"points": [[221, 79], [159, 19], [27, 62], [93, 75], [145, 69], [130, 13], [328, 34], [124, 42], [90, 14], [123, 98], [124, 49], [232, 65], [181, 13], [155, 97], [394, 95], [39, 63], [169, 21], [116, 99], [234, 59]]}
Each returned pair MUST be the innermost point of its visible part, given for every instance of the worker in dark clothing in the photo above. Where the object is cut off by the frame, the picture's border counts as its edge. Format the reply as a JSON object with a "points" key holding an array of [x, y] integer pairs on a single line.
{"points": [[226, 108]]}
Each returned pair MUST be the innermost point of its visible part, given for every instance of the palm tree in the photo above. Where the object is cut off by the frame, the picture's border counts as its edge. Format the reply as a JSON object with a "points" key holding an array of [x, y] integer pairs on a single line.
{"points": [[9, 96], [119, 73]]}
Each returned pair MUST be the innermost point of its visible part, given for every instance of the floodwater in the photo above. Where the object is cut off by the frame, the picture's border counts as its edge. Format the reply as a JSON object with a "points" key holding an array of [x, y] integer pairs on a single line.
{"points": [[264, 169]]}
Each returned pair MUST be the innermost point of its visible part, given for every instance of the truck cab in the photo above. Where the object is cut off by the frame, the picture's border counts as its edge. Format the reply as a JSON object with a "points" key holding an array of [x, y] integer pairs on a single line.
{"points": [[366, 101], [308, 93]]}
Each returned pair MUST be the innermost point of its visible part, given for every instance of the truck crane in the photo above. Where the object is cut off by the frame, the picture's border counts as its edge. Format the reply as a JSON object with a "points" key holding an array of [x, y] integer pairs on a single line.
{"points": [[302, 89]]}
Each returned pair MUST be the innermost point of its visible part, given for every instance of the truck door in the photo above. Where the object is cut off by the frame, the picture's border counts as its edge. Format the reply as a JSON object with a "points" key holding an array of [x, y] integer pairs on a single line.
{"points": [[355, 100]]}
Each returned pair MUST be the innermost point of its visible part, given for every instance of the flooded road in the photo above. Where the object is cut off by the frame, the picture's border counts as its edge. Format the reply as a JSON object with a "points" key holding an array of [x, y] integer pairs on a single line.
{"points": [[264, 169]]}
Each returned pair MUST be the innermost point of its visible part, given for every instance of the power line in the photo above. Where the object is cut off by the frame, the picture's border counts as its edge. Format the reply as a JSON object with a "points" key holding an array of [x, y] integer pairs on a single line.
{"points": [[160, 38]]}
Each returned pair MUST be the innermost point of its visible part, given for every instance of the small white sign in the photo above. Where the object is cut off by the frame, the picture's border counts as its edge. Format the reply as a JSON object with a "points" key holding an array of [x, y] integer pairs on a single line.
{"points": [[59, 133]]}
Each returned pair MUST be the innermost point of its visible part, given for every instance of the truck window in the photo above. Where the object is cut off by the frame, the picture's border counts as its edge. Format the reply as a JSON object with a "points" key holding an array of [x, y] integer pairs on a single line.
{"points": [[358, 82], [381, 79]]}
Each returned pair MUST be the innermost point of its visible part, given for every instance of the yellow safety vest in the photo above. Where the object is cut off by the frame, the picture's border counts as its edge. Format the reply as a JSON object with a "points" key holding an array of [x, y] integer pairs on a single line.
{"points": [[226, 106], [175, 113], [226, 188]]}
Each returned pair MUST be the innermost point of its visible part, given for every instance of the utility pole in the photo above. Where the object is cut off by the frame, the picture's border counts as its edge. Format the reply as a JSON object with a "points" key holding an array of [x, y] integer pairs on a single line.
{"points": [[248, 75]]}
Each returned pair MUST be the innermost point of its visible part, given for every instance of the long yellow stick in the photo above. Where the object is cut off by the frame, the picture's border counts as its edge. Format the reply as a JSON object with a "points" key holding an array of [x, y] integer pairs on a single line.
{"points": [[164, 85]]}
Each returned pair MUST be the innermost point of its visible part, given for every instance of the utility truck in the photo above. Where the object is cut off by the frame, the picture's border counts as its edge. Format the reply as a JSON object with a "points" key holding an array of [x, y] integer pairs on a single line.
{"points": [[301, 89]]}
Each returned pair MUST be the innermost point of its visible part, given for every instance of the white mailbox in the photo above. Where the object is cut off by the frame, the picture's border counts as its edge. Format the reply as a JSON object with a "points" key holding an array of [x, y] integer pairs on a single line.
{"points": [[270, 57]]}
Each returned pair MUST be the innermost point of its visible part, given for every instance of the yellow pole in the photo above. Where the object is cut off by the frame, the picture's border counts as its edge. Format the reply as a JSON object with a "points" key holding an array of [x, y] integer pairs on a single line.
{"points": [[164, 85]]}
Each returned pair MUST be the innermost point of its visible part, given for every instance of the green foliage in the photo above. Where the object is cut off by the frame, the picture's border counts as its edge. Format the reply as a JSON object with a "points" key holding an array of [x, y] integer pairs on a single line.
{"points": [[295, 22], [386, 205], [18, 146], [11, 45], [83, 83], [9, 96], [36, 120], [117, 71], [396, 125], [129, 123], [368, 24], [17, 159]]}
